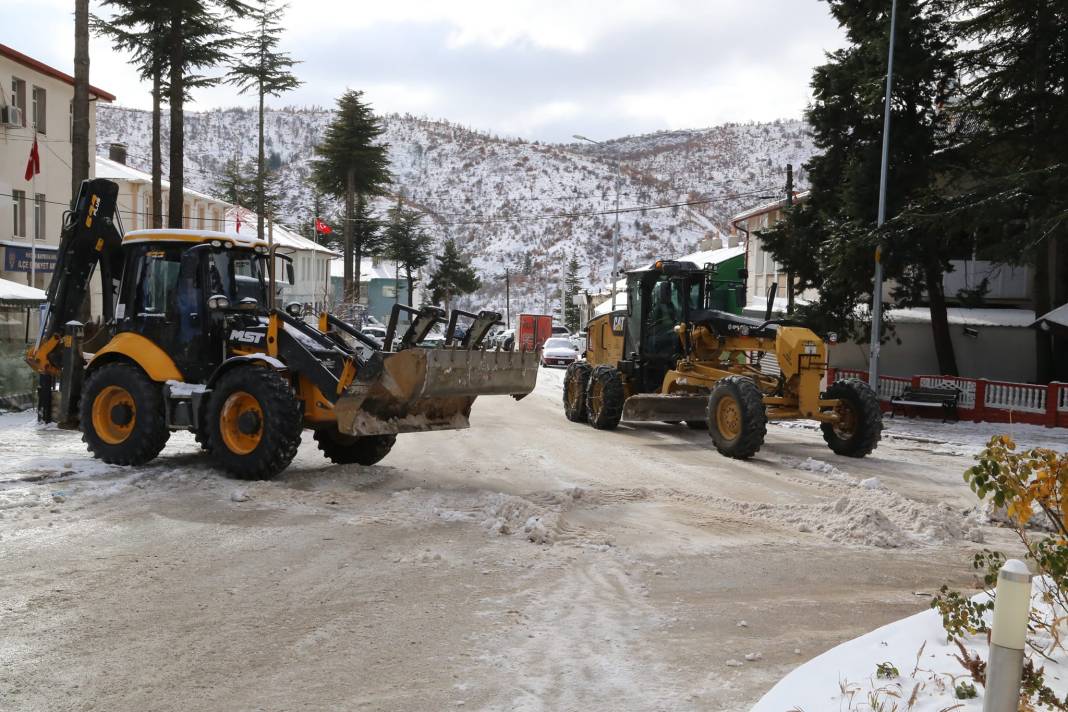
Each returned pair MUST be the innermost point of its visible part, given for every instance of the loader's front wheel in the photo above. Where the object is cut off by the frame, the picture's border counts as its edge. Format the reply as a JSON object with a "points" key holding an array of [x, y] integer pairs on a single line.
{"points": [[254, 422], [737, 419], [344, 449], [576, 381], [860, 421], [604, 398], [122, 415]]}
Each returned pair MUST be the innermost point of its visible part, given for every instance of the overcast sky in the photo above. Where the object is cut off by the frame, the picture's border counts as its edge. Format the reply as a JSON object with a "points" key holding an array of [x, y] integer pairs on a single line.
{"points": [[540, 69]]}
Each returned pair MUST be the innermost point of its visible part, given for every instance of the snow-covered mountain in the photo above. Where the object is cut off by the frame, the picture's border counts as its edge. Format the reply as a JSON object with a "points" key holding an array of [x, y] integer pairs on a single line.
{"points": [[511, 203]]}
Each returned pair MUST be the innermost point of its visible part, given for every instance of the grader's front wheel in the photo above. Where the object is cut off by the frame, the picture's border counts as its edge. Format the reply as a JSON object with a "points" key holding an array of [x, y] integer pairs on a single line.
{"points": [[860, 421], [737, 419], [254, 422]]}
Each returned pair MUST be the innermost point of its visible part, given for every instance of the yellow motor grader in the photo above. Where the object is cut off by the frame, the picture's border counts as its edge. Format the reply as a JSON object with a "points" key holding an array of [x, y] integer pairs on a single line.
{"points": [[676, 354], [191, 339]]}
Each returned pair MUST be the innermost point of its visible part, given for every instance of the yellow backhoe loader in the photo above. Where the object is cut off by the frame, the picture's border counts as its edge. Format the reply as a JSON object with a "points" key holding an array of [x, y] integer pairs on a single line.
{"points": [[191, 339], [676, 354]]}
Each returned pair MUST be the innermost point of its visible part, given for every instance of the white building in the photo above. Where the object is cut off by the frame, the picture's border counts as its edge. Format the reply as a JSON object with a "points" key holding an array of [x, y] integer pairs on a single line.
{"points": [[35, 102]]}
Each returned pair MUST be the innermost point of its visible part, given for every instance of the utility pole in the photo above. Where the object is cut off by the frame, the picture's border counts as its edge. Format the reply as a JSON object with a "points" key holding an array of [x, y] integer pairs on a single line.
{"points": [[789, 204], [877, 290], [80, 107], [507, 297]]}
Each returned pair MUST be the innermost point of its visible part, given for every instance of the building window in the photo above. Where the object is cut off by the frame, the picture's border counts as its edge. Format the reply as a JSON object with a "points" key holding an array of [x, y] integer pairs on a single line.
{"points": [[18, 96], [39, 204], [40, 103], [18, 212]]}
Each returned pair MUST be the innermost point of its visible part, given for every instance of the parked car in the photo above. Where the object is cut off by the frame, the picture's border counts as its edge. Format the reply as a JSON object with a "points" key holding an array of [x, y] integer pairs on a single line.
{"points": [[558, 352], [375, 331], [561, 331], [506, 340]]}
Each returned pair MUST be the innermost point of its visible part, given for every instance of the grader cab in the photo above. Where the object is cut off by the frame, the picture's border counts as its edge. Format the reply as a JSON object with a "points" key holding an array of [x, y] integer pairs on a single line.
{"points": [[680, 352], [192, 340]]}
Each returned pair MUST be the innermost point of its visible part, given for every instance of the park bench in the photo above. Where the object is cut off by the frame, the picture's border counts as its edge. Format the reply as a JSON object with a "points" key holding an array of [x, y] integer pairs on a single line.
{"points": [[944, 398]]}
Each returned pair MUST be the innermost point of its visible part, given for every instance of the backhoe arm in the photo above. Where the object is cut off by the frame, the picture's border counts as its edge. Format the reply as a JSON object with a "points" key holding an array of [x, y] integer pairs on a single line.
{"points": [[90, 236]]}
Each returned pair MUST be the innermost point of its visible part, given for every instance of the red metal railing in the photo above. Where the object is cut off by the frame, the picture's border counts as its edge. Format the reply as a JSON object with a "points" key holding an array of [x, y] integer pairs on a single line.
{"points": [[982, 400]]}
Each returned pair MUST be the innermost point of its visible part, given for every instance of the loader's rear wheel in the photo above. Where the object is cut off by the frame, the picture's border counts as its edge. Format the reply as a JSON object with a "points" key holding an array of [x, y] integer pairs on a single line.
{"points": [[604, 398], [737, 419], [344, 449], [576, 381], [860, 424], [254, 422], [122, 415]]}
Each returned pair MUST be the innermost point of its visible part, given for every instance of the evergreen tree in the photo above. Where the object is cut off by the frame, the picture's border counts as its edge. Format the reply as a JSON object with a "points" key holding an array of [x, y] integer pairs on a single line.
{"points": [[352, 162], [261, 68], [572, 287], [407, 243], [1013, 114], [236, 184], [453, 277], [195, 37], [139, 27], [828, 244]]}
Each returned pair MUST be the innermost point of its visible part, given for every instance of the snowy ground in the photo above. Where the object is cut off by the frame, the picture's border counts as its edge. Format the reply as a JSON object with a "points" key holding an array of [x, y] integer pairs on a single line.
{"points": [[528, 563], [846, 678]]}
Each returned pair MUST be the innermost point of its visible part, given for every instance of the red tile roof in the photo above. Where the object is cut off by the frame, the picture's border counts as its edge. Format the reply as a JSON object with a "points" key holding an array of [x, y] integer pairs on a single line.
{"points": [[32, 63]]}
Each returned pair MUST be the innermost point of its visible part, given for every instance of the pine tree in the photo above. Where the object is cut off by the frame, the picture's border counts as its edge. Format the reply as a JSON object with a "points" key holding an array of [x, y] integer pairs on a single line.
{"points": [[139, 27], [1014, 118], [352, 162], [828, 244], [236, 184], [572, 287], [407, 243], [453, 277], [260, 67], [196, 36]]}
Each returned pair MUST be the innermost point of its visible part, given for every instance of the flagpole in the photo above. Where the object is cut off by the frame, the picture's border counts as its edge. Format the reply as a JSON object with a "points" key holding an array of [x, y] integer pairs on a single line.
{"points": [[33, 238]]}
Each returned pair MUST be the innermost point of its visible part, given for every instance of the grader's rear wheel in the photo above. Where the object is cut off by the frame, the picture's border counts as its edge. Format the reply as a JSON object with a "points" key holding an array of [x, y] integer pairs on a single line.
{"points": [[254, 422], [737, 420], [576, 381], [860, 421], [604, 398], [121, 414]]}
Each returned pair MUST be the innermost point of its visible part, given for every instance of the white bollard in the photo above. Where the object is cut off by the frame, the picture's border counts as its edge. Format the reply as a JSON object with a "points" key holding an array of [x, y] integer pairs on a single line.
{"points": [[1008, 637]]}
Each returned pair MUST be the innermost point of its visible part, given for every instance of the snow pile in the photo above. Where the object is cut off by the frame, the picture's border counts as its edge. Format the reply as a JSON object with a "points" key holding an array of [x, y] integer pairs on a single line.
{"points": [[866, 513], [845, 678], [536, 517]]}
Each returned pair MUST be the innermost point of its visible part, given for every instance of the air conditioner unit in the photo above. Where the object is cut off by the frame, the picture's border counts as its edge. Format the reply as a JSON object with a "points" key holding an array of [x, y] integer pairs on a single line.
{"points": [[10, 116]]}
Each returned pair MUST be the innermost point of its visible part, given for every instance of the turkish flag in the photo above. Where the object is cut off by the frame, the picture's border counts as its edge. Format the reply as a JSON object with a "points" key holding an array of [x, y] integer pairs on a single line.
{"points": [[322, 228], [33, 165]]}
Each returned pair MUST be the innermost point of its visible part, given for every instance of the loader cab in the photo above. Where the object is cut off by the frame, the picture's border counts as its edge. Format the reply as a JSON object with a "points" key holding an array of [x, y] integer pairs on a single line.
{"points": [[175, 290]]}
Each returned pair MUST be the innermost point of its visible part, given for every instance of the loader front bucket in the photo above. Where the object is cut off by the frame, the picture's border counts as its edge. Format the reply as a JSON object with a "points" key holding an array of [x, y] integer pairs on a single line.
{"points": [[421, 389]]}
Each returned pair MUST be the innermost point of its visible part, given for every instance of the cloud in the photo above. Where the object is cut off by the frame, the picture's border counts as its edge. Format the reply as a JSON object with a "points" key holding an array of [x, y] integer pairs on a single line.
{"points": [[537, 68]]}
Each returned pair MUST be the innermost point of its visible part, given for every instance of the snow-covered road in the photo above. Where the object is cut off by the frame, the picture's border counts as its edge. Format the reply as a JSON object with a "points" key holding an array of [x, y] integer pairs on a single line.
{"points": [[528, 563]]}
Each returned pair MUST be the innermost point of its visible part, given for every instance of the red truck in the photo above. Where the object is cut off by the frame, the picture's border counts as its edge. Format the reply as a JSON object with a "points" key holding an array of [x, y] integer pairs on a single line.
{"points": [[534, 329]]}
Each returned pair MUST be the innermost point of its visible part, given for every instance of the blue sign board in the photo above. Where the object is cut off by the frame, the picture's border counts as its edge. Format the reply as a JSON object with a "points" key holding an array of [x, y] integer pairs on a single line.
{"points": [[17, 259]]}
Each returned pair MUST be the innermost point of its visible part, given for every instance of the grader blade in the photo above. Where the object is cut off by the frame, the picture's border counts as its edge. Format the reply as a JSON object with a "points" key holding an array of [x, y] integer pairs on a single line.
{"points": [[653, 406], [430, 389]]}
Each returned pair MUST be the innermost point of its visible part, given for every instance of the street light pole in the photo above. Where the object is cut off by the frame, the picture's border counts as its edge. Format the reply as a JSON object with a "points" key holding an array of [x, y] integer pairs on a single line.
{"points": [[877, 290], [616, 236]]}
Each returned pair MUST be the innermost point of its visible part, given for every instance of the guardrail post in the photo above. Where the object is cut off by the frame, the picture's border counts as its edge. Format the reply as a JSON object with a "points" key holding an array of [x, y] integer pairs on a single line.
{"points": [[1008, 636]]}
